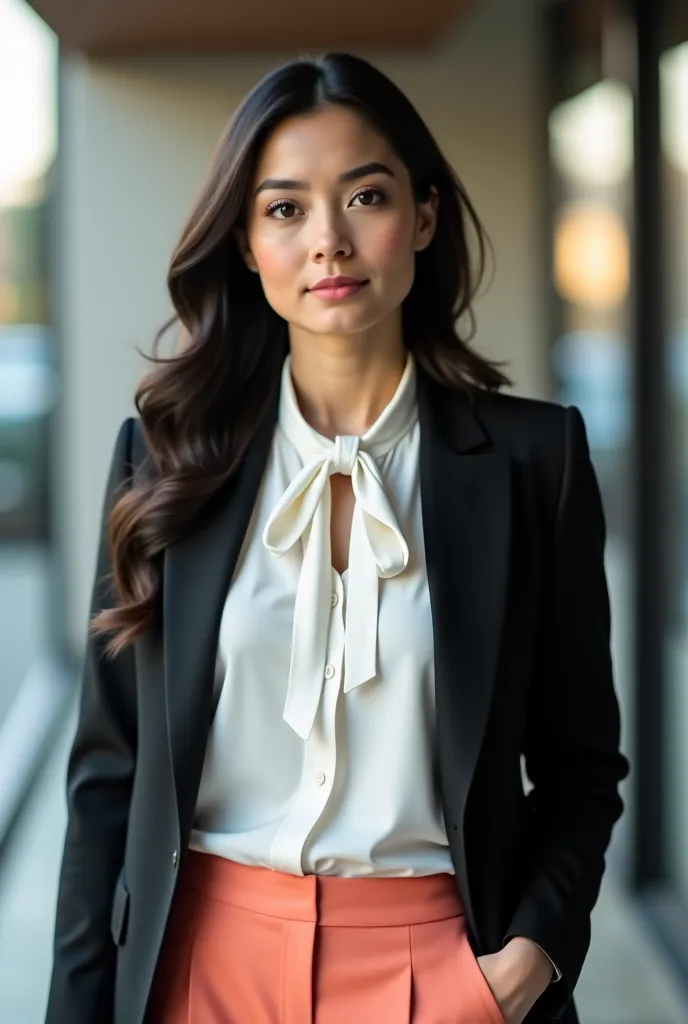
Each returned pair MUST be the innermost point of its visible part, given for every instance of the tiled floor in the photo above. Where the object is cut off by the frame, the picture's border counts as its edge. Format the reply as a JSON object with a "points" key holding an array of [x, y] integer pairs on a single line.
{"points": [[623, 982]]}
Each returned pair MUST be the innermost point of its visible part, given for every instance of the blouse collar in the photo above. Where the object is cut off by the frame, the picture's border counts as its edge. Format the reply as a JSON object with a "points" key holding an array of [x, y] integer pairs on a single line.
{"points": [[377, 547]]}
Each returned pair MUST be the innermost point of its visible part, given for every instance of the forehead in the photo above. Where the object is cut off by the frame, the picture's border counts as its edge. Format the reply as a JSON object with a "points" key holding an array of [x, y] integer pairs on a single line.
{"points": [[322, 143]]}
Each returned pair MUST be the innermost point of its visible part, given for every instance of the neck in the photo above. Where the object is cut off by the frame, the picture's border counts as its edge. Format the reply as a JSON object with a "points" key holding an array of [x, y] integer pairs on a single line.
{"points": [[343, 384]]}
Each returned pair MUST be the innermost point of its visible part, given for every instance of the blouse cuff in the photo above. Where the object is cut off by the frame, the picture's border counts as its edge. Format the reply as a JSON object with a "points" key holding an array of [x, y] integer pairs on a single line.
{"points": [[556, 973]]}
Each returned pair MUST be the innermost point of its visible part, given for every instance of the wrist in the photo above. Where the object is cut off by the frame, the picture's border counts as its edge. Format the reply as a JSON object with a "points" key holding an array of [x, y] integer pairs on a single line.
{"points": [[528, 963]]}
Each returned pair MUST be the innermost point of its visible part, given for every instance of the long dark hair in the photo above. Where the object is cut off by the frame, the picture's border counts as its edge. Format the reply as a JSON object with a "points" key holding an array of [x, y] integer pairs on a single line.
{"points": [[200, 407]]}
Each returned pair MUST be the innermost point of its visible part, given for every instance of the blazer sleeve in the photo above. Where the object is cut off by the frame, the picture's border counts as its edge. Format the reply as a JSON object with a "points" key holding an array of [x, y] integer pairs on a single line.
{"points": [[572, 740], [99, 783]]}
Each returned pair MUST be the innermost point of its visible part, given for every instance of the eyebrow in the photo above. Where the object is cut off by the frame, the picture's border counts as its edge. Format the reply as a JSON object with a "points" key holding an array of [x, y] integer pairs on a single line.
{"points": [[354, 174]]}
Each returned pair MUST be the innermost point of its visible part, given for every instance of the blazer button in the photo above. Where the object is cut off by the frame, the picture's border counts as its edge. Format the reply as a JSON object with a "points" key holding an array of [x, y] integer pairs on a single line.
{"points": [[175, 858]]}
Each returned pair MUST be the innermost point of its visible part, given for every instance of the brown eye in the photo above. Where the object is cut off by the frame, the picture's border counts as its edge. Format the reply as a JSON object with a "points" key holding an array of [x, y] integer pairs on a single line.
{"points": [[281, 210], [370, 197]]}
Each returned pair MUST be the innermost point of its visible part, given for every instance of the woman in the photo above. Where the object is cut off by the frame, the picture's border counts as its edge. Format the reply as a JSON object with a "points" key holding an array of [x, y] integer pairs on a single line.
{"points": [[352, 584]]}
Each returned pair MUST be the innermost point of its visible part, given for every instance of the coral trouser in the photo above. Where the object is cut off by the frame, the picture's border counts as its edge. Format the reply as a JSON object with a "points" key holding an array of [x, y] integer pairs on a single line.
{"points": [[247, 945]]}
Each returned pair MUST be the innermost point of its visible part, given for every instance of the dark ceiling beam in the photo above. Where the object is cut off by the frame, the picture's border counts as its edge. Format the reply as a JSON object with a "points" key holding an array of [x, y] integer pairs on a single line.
{"points": [[108, 28]]}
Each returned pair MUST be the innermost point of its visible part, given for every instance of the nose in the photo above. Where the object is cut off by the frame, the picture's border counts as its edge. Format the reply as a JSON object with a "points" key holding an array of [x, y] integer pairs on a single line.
{"points": [[330, 240]]}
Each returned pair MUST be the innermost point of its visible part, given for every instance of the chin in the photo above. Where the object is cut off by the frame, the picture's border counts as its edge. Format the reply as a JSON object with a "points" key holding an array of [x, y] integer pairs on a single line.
{"points": [[349, 322]]}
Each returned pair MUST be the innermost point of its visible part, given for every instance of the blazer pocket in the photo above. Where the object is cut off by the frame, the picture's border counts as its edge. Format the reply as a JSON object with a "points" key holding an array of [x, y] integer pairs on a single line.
{"points": [[120, 911]]}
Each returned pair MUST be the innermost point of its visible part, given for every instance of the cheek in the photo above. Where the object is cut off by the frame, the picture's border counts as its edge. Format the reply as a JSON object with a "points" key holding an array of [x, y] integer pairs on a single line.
{"points": [[392, 245], [275, 259]]}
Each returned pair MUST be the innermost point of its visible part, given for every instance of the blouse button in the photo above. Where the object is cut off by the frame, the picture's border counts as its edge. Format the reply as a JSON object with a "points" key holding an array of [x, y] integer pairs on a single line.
{"points": [[175, 859], [329, 671], [320, 778], [334, 599]]}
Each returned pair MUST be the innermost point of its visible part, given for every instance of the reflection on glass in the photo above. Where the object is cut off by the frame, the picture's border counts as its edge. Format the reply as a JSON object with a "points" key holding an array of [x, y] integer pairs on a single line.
{"points": [[591, 144], [596, 367], [28, 56], [591, 255], [591, 135], [674, 84], [673, 68]]}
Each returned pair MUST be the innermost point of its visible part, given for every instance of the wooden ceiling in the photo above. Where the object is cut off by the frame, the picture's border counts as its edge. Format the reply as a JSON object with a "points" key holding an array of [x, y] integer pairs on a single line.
{"points": [[126, 27]]}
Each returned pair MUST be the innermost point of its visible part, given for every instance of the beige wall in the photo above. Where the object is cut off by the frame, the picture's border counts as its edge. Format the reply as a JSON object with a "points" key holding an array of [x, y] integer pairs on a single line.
{"points": [[136, 139]]}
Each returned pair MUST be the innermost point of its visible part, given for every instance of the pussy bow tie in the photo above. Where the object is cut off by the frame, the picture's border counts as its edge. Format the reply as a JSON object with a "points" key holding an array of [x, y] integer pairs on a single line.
{"points": [[377, 547]]}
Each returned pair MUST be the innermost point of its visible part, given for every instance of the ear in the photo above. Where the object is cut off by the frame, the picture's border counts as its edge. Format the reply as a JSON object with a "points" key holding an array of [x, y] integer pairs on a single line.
{"points": [[426, 221], [242, 242]]}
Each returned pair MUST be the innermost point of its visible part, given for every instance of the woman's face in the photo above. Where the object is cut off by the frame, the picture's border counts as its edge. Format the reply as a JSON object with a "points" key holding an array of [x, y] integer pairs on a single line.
{"points": [[332, 199]]}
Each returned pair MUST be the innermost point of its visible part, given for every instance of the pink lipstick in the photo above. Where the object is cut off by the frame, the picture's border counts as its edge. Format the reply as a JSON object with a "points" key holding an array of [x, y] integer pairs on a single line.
{"points": [[337, 288]]}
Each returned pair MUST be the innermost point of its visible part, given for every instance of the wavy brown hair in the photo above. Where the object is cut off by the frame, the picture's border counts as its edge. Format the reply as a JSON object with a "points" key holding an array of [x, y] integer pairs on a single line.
{"points": [[200, 407]]}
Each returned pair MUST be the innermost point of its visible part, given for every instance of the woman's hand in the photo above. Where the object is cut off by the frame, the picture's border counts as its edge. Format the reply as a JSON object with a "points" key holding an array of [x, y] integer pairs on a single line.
{"points": [[518, 975]]}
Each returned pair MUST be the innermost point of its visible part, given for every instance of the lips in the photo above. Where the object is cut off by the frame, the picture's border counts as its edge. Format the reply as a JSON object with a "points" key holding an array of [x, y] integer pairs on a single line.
{"points": [[328, 283], [337, 288]]}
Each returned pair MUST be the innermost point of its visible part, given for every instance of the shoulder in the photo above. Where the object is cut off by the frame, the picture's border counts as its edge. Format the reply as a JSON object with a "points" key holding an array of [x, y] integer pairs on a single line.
{"points": [[129, 451], [130, 443], [139, 447], [511, 419], [530, 428], [547, 440]]}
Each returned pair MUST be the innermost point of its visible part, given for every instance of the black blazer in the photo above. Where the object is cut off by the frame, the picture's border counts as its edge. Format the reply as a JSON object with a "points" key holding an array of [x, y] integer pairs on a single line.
{"points": [[514, 537]]}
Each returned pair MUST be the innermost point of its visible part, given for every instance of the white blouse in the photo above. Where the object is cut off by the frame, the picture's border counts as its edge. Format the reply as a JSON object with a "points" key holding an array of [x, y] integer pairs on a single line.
{"points": [[321, 755]]}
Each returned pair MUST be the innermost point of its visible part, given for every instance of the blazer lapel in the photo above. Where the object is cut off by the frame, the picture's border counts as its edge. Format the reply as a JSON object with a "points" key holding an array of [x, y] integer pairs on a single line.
{"points": [[465, 494], [197, 574]]}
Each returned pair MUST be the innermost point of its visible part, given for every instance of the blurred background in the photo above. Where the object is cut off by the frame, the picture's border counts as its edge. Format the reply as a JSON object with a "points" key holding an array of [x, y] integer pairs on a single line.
{"points": [[568, 122]]}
